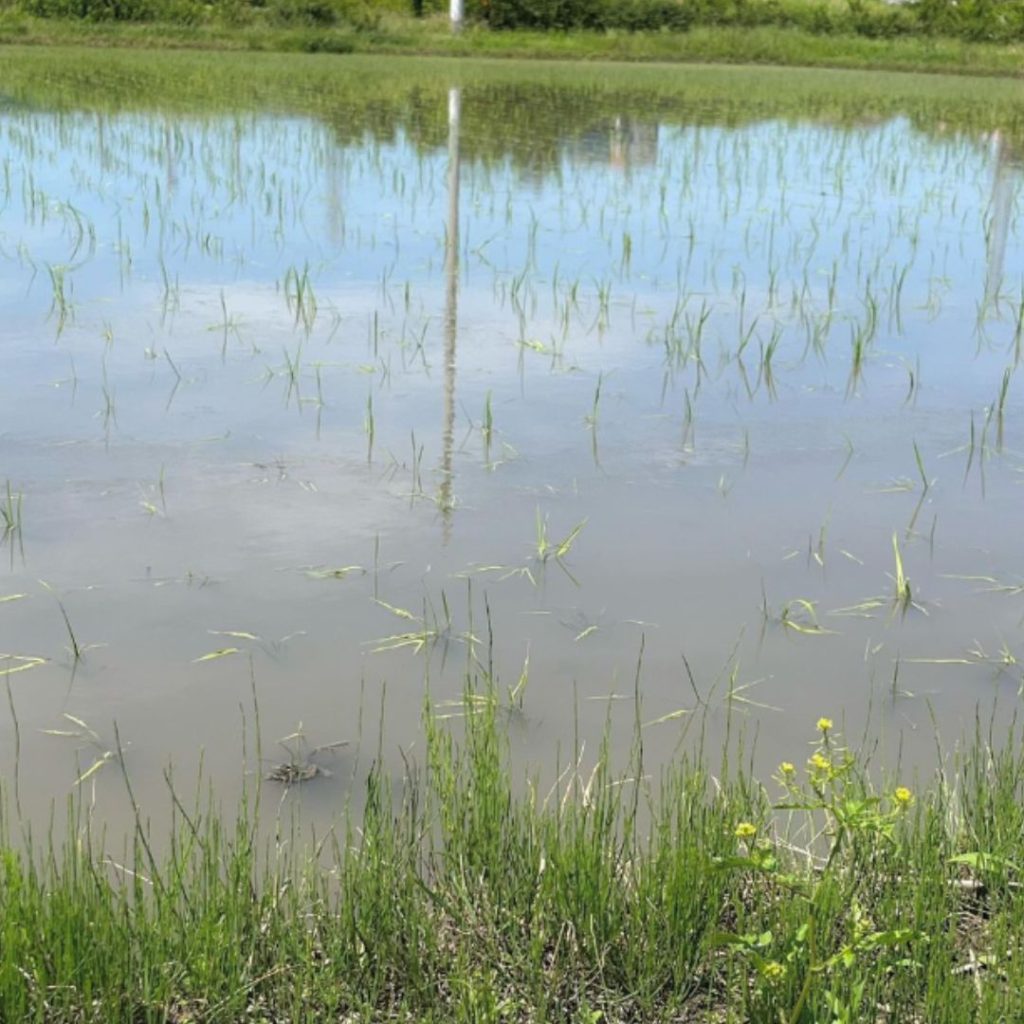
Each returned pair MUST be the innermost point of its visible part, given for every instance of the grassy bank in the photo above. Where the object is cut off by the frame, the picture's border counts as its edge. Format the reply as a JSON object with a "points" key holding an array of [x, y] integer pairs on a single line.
{"points": [[396, 34], [463, 894]]}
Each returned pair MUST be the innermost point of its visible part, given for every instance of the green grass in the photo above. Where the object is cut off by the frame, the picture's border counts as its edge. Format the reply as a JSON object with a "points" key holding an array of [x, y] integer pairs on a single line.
{"points": [[465, 892], [395, 34]]}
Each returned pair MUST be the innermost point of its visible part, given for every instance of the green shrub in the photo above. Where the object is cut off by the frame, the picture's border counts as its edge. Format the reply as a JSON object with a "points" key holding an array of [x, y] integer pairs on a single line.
{"points": [[183, 12], [304, 12], [982, 20], [325, 13], [634, 15], [93, 10], [637, 15], [878, 21]]}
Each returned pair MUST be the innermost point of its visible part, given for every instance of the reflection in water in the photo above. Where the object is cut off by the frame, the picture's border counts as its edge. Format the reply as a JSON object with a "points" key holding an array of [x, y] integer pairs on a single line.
{"points": [[694, 285], [622, 142], [451, 311], [1004, 182]]}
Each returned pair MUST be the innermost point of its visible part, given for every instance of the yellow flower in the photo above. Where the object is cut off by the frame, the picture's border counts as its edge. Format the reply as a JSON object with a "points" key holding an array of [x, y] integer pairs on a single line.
{"points": [[745, 830], [786, 768], [903, 796], [774, 971], [820, 762], [863, 925], [824, 724]]}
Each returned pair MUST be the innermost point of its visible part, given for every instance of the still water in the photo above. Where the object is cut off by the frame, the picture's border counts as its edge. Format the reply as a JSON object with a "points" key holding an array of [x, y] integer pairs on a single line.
{"points": [[333, 381]]}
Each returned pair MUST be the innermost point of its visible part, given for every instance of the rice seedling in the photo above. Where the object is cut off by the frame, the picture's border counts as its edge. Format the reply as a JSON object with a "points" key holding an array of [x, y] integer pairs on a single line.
{"points": [[369, 427], [591, 418], [487, 427], [229, 324], [170, 300], [76, 650], [816, 551], [735, 698], [913, 381], [428, 630], [415, 469], [767, 356], [1000, 406], [487, 700], [903, 599], [858, 346], [300, 297], [292, 371], [1003, 662], [547, 550], [970, 451], [342, 572], [108, 414], [849, 457], [1018, 330], [925, 482], [990, 584], [177, 380], [862, 609], [60, 305], [100, 752], [800, 616], [13, 663], [220, 652], [11, 517], [687, 440]]}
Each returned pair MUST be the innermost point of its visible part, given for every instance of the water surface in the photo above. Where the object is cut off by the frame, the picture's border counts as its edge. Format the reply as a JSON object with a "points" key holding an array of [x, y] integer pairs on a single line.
{"points": [[679, 373]]}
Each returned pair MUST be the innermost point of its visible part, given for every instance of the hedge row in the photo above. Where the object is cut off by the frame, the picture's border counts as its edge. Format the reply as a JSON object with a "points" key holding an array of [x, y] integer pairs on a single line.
{"points": [[992, 20]]}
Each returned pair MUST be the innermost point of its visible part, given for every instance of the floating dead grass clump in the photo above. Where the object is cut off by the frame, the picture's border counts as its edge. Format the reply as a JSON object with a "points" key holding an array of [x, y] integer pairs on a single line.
{"points": [[301, 764], [290, 773]]}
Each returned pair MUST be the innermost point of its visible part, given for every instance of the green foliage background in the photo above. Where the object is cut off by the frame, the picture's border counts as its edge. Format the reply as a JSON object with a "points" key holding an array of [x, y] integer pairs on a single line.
{"points": [[974, 20]]}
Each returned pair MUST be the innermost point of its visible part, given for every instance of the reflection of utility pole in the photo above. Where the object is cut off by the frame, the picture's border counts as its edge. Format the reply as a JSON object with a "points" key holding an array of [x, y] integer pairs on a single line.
{"points": [[169, 154], [451, 307], [335, 207], [1002, 207]]}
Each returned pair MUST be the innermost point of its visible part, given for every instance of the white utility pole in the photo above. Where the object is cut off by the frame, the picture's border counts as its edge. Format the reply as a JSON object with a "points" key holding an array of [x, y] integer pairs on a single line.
{"points": [[457, 8]]}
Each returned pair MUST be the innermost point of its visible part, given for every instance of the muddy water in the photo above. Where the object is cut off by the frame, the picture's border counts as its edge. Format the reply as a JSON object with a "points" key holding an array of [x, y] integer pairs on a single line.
{"points": [[674, 368]]}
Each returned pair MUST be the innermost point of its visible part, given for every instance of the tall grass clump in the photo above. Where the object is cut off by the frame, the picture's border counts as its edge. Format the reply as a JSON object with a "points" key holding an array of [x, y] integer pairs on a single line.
{"points": [[463, 892]]}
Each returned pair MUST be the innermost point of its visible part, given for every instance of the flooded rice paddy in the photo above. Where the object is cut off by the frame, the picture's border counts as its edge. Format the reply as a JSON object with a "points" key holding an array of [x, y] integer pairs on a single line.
{"points": [[333, 380]]}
